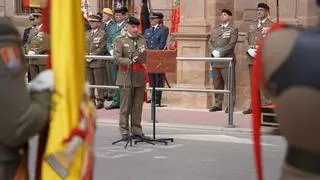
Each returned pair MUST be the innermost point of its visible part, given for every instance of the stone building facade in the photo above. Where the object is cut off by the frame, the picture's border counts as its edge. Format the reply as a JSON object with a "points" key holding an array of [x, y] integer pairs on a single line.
{"points": [[197, 19]]}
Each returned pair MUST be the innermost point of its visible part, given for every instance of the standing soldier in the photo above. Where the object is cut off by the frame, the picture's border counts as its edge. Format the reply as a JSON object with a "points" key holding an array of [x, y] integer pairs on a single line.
{"points": [[24, 111], [257, 30], [289, 65], [38, 43], [156, 37], [96, 69], [107, 23], [221, 44], [117, 29], [129, 52]]}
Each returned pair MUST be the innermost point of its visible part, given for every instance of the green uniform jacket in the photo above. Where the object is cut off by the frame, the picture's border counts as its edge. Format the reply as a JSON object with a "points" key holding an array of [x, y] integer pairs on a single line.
{"points": [[38, 42], [255, 33], [126, 47], [23, 114], [225, 39], [96, 45], [114, 32]]}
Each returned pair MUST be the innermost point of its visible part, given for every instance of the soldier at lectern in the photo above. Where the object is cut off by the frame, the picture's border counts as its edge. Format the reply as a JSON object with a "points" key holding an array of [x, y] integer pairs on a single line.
{"points": [[129, 54], [156, 37]]}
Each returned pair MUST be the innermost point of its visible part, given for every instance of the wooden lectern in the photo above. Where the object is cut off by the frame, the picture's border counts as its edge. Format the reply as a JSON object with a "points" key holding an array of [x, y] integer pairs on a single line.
{"points": [[161, 61]]}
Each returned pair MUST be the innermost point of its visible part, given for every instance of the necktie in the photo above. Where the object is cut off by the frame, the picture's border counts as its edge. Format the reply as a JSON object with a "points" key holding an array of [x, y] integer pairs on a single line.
{"points": [[259, 24]]}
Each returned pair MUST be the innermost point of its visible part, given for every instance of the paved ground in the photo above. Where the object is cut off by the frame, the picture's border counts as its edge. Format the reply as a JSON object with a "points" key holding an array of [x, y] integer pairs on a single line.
{"points": [[185, 116], [196, 153], [203, 148]]}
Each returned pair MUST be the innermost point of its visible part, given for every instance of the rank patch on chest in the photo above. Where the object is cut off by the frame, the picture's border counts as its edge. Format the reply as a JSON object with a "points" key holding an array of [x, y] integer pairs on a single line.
{"points": [[11, 56]]}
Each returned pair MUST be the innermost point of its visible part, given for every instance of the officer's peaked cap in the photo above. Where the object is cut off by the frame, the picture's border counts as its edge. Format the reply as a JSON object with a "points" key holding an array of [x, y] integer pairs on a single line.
{"points": [[94, 18], [122, 10], [155, 15]]}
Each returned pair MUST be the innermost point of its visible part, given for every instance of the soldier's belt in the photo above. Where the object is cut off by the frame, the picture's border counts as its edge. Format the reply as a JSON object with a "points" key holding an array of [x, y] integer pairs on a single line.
{"points": [[302, 160]]}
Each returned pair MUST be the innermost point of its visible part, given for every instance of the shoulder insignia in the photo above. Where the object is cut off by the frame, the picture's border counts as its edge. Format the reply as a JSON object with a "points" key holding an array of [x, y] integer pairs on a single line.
{"points": [[11, 56]]}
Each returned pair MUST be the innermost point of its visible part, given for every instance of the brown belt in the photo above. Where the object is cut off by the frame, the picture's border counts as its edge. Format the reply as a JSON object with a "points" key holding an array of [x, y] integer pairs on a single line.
{"points": [[303, 160]]}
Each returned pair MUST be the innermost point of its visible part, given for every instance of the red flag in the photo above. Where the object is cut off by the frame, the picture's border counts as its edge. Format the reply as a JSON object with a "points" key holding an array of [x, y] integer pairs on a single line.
{"points": [[175, 20]]}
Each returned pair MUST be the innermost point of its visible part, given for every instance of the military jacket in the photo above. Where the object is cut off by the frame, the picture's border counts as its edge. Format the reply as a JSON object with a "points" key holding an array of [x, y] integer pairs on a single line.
{"points": [[225, 39], [255, 33], [156, 38], [96, 45], [23, 114], [38, 42], [125, 48]]}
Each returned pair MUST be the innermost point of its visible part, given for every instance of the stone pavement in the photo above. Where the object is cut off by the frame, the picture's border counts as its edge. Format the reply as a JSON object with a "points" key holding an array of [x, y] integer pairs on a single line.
{"points": [[185, 116]]}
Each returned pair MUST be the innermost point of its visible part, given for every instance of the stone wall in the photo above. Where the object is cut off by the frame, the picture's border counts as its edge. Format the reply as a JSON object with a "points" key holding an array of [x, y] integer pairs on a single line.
{"points": [[198, 17]]}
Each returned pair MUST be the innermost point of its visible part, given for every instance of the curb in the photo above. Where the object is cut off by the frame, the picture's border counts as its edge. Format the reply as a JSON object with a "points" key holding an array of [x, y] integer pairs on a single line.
{"points": [[114, 122]]}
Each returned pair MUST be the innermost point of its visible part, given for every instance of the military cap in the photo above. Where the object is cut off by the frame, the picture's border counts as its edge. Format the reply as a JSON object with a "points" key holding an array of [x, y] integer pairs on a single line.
{"points": [[227, 11], [122, 10], [264, 6], [94, 18], [155, 15], [133, 21], [108, 11]]}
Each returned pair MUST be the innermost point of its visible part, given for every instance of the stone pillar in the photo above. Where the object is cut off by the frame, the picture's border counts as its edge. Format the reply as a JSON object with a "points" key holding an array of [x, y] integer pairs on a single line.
{"points": [[194, 31], [297, 12]]}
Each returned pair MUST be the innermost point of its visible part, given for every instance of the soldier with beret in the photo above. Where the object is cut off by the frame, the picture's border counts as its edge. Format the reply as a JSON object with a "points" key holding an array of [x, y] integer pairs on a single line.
{"points": [[129, 53], [222, 44], [117, 29], [156, 37], [96, 69], [38, 43], [257, 30]]}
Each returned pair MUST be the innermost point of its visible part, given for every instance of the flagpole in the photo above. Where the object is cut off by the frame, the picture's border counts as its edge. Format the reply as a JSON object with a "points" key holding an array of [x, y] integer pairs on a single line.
{"points": [[278, 13]]}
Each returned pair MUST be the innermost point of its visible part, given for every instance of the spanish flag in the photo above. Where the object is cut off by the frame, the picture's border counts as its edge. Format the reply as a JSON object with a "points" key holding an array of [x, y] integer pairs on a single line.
{"points": [[31, 3], [68, 152]]}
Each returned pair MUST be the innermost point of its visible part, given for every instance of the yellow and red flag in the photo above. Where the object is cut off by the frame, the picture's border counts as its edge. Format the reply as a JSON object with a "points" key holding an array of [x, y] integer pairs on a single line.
{"points": [[68, 150], [31, 3]]}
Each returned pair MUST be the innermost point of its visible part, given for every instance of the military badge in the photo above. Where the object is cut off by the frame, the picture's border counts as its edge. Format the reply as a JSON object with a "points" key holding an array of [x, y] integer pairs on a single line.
{"points": [[126, 45], [11, 57]]}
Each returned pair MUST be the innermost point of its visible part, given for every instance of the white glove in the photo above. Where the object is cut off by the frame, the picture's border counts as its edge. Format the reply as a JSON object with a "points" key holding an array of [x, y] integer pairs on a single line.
{"points": [[134, 59], [88, 60], [31, 53], [252, 52], [86, 89], [216, 53], [44, 81], [111, 52]]}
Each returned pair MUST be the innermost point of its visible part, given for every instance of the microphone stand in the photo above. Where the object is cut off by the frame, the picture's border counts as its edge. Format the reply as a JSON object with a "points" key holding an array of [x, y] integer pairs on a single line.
{"points": [[130, 136]]}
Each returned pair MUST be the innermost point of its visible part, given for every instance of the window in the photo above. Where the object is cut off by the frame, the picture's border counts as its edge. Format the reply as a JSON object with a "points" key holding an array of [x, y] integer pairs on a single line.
{"points": [[19, 9]]}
